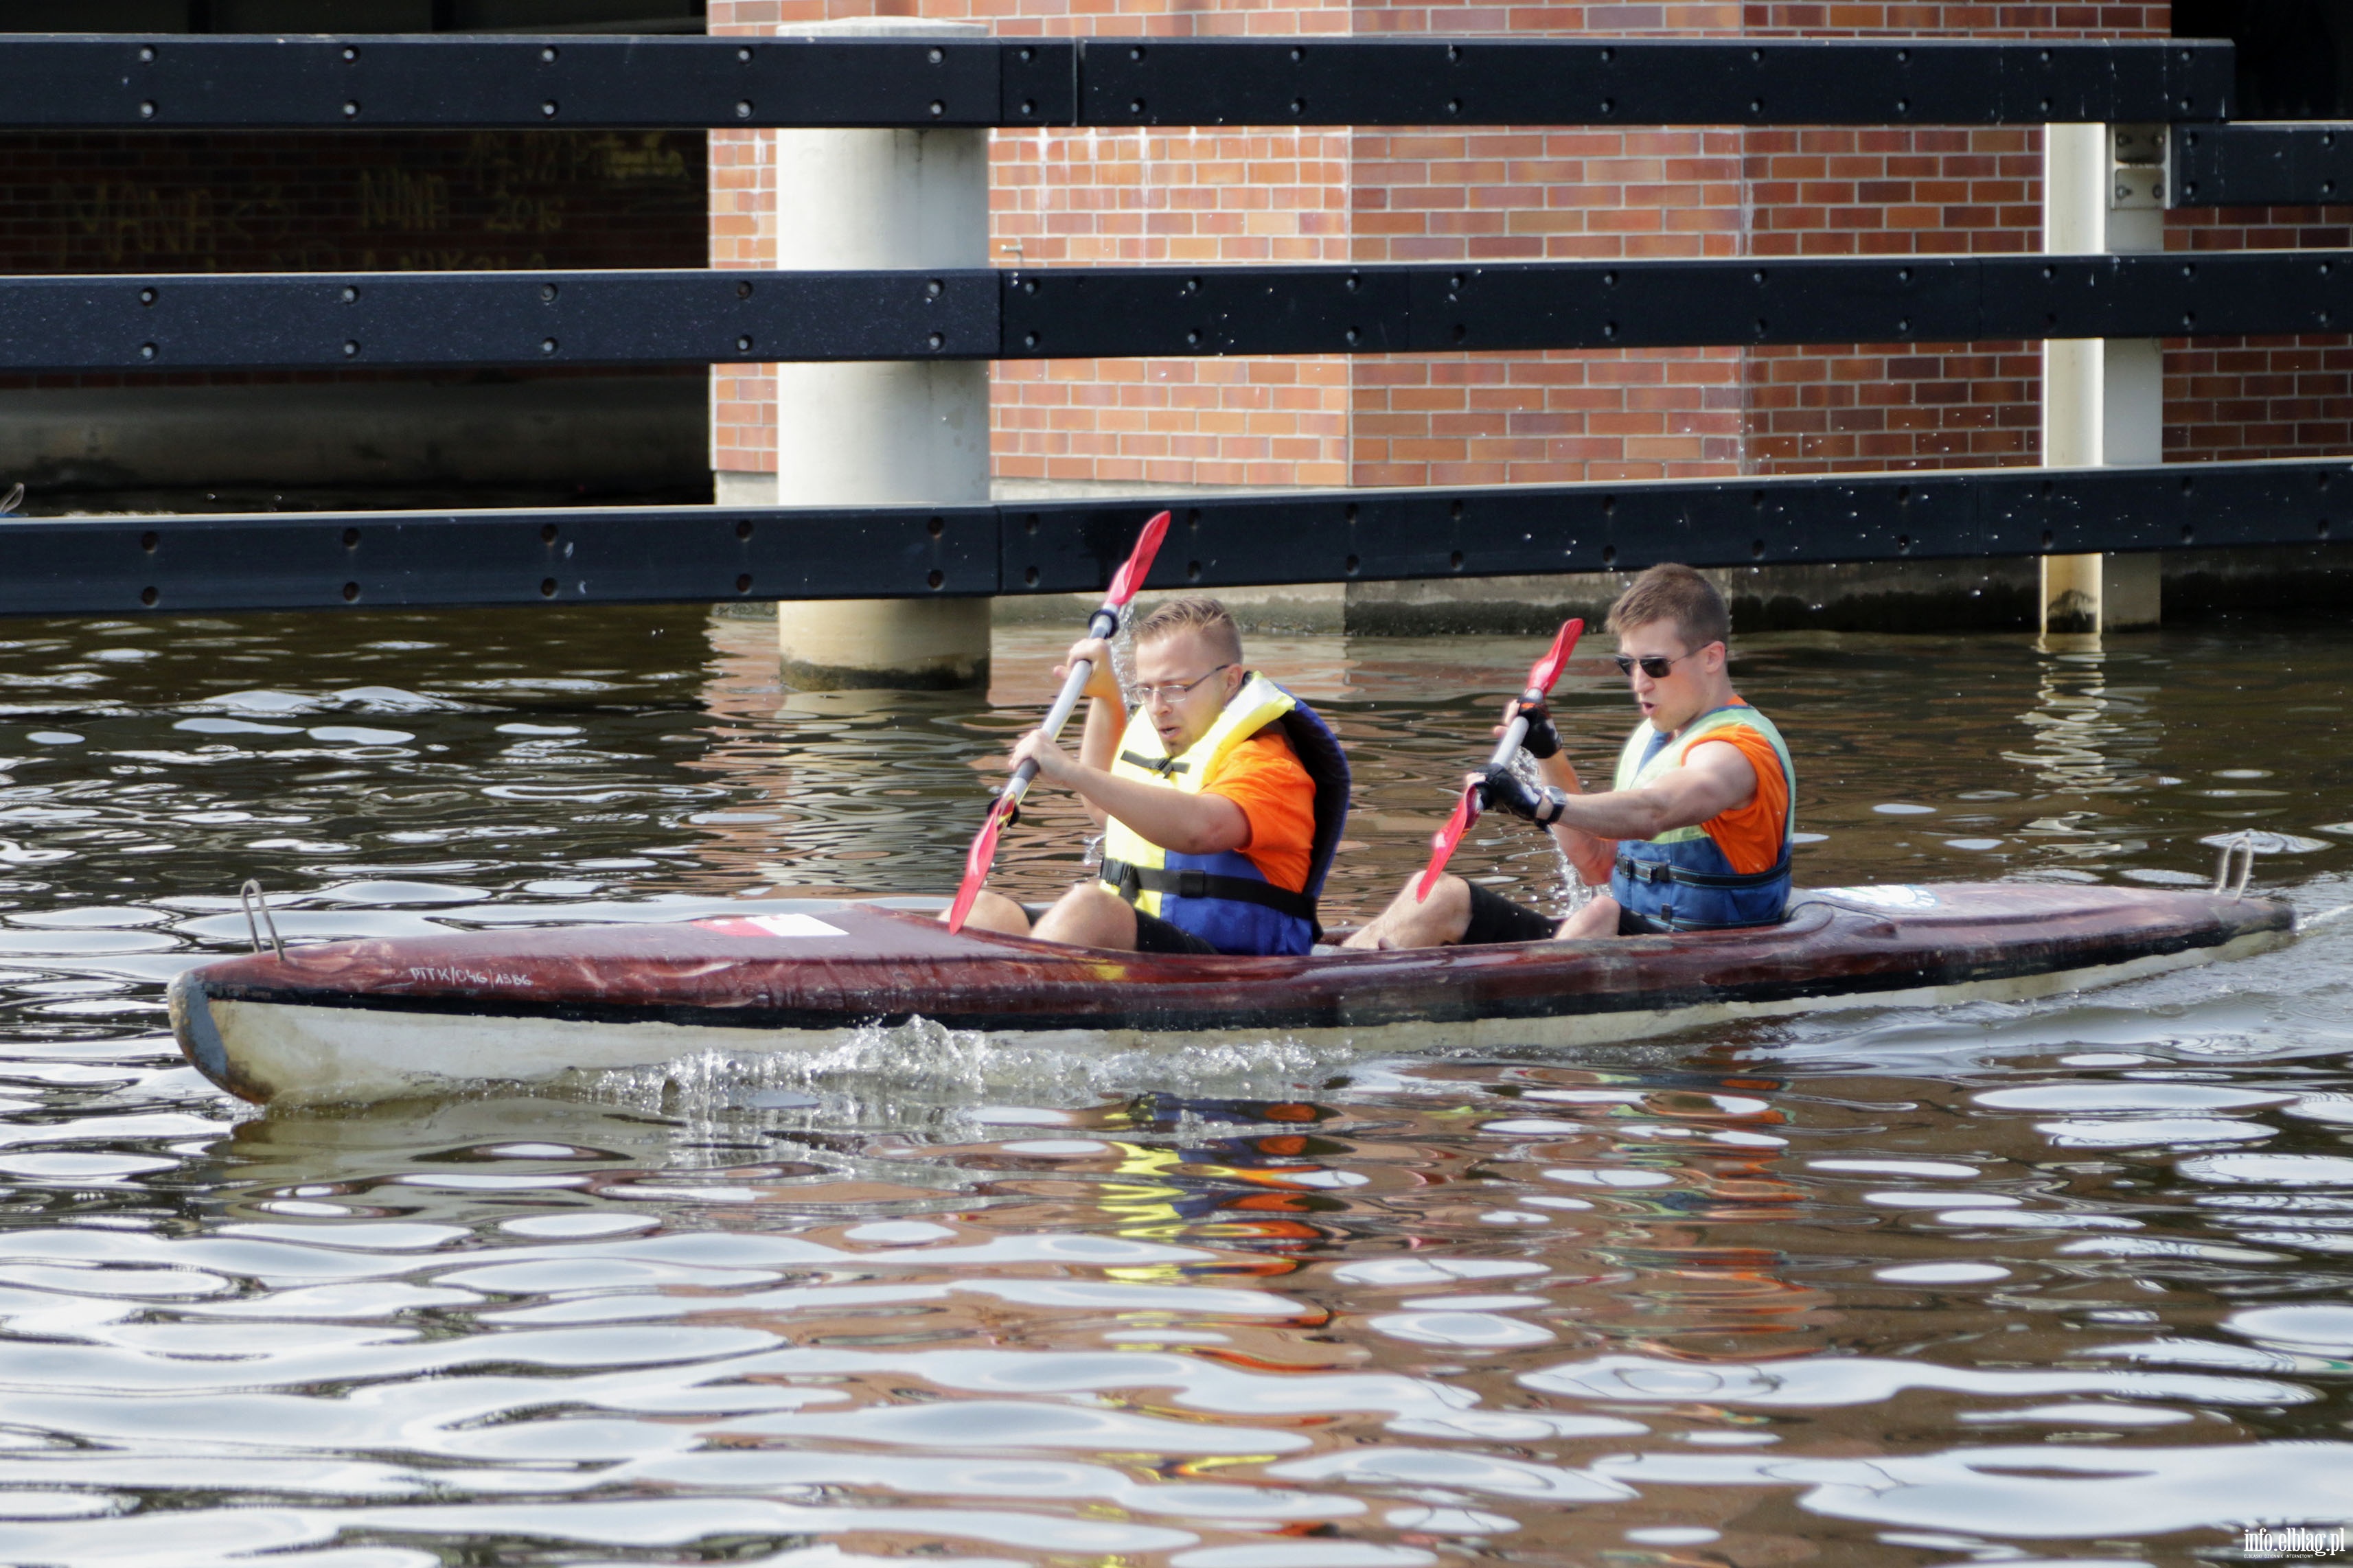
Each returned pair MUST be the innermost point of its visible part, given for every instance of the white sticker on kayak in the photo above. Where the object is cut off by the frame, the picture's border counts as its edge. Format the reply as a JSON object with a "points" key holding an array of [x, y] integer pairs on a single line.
{"points": [[1892, 896], [794, 925]]}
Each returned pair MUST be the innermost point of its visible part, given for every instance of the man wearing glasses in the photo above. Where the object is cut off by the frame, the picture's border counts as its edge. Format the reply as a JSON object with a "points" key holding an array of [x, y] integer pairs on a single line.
{"points": [[1695, 833], [1221, 799]]}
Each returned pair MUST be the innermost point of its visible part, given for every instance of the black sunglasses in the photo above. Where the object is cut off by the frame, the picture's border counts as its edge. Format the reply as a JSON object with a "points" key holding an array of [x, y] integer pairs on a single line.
{"points": [[1655, 665]]}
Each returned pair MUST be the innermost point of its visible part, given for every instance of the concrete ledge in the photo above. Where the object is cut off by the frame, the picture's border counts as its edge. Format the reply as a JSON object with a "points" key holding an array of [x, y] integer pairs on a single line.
{"points": [[2302, 579]]}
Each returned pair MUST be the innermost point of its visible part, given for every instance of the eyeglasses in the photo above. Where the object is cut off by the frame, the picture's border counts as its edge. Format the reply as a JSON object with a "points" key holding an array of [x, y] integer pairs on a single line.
{"points": [[1657, 666], [1176, 692]]}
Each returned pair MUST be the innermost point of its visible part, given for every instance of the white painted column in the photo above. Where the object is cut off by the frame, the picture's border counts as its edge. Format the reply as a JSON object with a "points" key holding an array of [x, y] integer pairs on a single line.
{"points": [[2103, 400], [877, 434]]}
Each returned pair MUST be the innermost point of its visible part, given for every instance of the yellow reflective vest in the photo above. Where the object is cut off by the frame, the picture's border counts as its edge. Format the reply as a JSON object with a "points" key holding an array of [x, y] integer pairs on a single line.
{"points": [[1223, 898]]}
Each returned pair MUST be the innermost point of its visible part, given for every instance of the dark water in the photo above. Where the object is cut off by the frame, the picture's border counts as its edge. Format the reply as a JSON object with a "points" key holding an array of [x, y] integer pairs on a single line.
{"points": [[2005, 1284]]}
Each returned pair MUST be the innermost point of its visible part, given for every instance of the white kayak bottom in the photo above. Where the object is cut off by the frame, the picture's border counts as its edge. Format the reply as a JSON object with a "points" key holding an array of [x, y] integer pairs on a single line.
{"points": [[299, 1053]]}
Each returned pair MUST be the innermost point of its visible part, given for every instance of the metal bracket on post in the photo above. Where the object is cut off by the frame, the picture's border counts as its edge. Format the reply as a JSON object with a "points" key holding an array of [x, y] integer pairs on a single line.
{"points": [[2138, 154], [2103, 397]]}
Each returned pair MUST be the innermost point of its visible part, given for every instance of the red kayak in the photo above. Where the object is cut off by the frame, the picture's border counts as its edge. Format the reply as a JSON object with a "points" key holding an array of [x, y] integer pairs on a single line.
{"points": [[357, 1021]]}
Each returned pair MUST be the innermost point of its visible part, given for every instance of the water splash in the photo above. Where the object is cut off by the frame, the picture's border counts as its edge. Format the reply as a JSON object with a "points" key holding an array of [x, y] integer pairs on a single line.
{"points": [[886, 1072], [1574, 892]]}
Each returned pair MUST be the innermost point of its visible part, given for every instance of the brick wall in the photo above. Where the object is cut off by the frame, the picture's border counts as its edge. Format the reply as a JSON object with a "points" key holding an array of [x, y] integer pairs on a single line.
{"points": [[1171, 197], [359, 201], [1848, 191], [1107, 197], [1892, 191], [2230, 398], [1281, 194], [1447, 194]]}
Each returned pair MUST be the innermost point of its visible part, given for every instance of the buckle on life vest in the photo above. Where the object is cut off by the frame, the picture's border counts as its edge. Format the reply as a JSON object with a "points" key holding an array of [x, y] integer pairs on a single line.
{"points": [[1130, 881], [1656, 872], [1166, 767]]}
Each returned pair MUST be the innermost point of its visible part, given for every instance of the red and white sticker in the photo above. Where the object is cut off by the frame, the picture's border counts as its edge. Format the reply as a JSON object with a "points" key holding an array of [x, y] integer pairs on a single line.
{"points": [[773, 925]]}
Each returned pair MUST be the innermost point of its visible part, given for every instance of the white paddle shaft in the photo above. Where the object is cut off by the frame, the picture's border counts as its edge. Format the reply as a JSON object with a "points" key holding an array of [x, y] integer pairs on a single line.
{"points": [[1513, 733], [1066, 702]]}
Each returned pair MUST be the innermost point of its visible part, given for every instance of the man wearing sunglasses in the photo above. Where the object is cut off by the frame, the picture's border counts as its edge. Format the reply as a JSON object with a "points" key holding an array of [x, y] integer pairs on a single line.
{"points": [[1695, 833], [1221, 799]]}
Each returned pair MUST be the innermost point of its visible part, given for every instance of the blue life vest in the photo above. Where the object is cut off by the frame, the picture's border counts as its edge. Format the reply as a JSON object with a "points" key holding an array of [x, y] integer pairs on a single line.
{"points": [[1223, 899], [1681, 881]]}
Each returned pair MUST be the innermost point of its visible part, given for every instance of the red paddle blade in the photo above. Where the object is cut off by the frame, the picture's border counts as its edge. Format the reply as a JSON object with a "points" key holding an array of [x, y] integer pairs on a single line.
{"points": [[976, 862], [1442, 842], [1545, 672], [1139, 566]]}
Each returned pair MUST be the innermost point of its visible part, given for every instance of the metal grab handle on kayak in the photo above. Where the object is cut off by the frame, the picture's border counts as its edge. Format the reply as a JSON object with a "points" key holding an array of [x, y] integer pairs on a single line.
{"points": [[2243, 848], [248, 896]]}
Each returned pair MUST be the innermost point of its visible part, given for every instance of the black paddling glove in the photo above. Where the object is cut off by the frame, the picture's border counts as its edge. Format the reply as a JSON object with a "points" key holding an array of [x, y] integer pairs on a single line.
{"points": [[1503, 789], [1542, 739]]}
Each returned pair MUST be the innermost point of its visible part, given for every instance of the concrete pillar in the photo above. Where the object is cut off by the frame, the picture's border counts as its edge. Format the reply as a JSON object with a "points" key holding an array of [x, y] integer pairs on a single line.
{"points": [[2103, 400], [881, 433]]}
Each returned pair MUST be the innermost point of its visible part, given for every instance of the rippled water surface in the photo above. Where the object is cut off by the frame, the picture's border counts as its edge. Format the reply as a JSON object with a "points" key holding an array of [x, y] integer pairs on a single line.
{"points": [[2016, 1284]]}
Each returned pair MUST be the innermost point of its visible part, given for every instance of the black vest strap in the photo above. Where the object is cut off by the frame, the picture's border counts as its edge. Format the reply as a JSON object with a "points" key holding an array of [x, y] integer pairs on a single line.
{"points": [[1166, 767], [1667, 871], [1128, 880]]}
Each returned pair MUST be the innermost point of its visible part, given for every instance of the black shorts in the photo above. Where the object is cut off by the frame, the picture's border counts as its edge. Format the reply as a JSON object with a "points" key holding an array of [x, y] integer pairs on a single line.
{"points": [[1494, 918], [1153, 934]]}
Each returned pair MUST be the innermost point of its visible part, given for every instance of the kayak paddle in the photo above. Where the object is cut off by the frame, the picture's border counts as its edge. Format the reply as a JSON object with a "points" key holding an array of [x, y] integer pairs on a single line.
{"points": [[1540, 676], [1103, 623]]}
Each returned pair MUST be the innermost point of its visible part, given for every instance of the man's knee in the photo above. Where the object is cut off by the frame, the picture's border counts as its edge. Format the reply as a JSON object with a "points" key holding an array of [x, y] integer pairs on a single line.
{"points": [[1447, 892], [1597, 919], [1412, 920], [1088, 915], [995, 913], [1089, 895]]}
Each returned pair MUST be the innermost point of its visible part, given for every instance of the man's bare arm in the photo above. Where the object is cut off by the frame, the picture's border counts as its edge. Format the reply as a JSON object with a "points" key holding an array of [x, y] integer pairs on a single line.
{"points": [[1187, 824], [1593, 857], [1714, 778]]}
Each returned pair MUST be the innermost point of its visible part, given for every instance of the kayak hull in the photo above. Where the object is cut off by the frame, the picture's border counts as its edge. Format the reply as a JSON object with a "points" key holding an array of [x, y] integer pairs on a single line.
{"points": [[354, 1021]]}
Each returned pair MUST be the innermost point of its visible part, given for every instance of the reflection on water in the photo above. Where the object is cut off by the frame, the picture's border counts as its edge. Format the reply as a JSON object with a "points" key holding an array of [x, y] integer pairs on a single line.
{"points": [[2007, 1283]]}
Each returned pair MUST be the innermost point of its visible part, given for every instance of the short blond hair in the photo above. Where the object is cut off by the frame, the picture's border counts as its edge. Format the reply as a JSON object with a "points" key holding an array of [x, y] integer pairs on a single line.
{"points": [[1669, 592], [1195, 613]]}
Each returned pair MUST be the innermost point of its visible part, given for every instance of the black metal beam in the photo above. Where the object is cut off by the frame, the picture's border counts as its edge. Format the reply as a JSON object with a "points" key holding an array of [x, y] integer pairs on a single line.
{"points": [[698, 554], [635, 555], [185, 321], [228, 81], [422, 81], [1510, 531], [1655, 81], [196, 322], [1090, 312], [2282, 165]]}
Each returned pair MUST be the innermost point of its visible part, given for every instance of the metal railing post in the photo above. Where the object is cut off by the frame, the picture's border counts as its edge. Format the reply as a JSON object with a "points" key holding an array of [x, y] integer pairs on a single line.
{"points": [[2103, 400], [891, 432]]}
